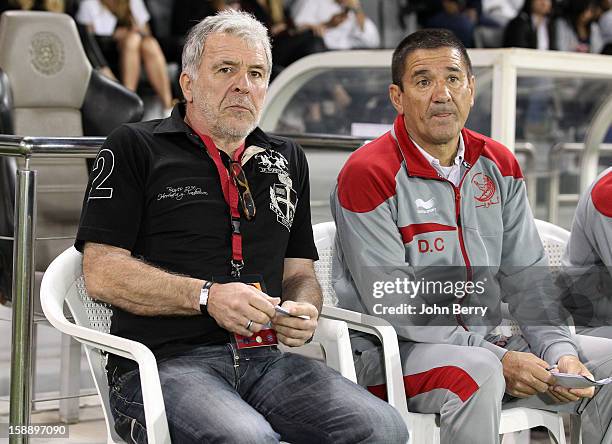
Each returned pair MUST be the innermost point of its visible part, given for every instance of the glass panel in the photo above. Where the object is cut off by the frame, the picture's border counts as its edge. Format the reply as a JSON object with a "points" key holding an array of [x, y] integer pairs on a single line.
{"points": [[333, 101], [324, 167], [480, 116], [355, 101], [554, 114], [557, 109]]}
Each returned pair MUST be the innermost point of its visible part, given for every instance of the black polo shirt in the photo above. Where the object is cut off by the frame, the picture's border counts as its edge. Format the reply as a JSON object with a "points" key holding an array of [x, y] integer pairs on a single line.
{"points": [[156, 192]]}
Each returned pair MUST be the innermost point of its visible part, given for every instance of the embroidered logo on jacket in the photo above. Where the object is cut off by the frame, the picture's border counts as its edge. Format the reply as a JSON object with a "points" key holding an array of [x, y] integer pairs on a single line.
{"points": [[485, 191], [283, 200], [425, 207]]}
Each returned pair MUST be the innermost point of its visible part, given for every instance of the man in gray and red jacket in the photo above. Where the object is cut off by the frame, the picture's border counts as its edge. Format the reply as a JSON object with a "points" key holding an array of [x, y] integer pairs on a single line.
{"points": [[587, 264], [432, 203]]}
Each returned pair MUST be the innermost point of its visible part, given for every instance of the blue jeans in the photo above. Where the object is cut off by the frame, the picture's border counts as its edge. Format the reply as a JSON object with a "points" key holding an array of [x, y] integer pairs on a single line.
{"points": [[260, 397]]}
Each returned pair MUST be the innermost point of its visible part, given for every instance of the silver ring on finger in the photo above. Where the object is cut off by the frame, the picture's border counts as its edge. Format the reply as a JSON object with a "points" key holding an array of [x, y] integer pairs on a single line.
{"points": [[248, 326]]}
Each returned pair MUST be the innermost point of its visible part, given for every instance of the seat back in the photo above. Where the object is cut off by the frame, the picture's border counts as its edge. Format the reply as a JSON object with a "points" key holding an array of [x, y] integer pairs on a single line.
{"points": [[554, 239], [64, 279], [48, 72], [324, 236]]}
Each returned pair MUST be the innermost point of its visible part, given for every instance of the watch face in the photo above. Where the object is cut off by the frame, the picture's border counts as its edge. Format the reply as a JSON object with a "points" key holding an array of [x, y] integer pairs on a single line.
{"points": [[204, 297]]}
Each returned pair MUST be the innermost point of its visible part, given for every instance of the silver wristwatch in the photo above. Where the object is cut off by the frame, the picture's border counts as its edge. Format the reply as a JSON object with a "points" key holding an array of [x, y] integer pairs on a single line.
{"points": [[204, 295]]}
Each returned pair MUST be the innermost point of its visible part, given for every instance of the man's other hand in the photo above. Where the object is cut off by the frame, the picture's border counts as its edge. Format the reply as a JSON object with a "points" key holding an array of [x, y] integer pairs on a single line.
{"points": [[571, 364], [293, 331], [336, 19], [233, 305], [526, 374]]}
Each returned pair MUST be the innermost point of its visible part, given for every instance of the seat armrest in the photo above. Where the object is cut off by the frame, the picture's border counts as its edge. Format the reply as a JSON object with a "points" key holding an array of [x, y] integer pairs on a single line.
{"points": [[385, 332], [154, 407], [333, 335]]}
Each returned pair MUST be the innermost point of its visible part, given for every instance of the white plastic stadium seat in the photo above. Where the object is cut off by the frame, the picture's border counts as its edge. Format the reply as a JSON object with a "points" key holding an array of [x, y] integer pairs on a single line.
{"points": [[424, 427], [63, 282]]}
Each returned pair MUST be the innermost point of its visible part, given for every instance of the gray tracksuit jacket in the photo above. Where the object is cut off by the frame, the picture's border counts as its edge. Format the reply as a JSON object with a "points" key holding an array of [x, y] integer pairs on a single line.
{"points": [[397, 218], [587, 263]]}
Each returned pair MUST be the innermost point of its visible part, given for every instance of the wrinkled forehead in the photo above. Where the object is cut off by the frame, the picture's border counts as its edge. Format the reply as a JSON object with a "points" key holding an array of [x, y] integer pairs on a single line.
{"points": [[223, 46], [438, 59]]}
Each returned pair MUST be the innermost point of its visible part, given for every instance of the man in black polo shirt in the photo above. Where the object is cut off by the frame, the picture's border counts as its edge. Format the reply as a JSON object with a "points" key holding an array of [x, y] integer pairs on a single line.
{"points": [[194, 228]]}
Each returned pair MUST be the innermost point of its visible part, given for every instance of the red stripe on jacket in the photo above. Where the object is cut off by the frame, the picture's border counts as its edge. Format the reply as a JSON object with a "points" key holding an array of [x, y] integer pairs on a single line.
{"points": [[371, 180], [408, 232], [601, 195]]}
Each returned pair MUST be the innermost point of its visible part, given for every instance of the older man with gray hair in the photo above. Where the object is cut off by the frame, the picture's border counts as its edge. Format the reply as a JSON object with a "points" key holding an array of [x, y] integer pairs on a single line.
{"points": [[196, 229]]}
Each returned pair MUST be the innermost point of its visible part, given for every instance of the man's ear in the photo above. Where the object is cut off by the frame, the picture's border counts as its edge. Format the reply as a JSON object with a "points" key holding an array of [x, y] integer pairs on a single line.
{"points": [[186, 84], [395, 95]]}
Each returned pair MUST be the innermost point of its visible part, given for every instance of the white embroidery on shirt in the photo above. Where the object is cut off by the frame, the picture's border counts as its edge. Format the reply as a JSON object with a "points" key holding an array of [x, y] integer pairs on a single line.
{"points": [[178, 193], [283, 200], [272, 162]]}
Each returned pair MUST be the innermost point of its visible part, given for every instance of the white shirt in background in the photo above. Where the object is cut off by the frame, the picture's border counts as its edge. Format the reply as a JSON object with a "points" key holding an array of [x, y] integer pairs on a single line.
{"points": [[93, 13], [502, 11], [605, 25], [347, 35], [542, 32]]}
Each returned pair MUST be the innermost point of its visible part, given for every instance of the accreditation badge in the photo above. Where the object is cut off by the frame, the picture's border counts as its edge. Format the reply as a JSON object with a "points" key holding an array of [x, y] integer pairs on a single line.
{"points": [[263, 338]]}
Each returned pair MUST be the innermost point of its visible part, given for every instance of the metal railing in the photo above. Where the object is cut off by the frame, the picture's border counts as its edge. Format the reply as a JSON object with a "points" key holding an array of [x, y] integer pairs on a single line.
{"points": [[23, 259]]}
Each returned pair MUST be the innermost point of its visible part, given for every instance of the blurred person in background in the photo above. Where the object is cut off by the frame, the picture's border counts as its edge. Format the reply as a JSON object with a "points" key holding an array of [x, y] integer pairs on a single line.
{"points": [[122, 31], [532, 27], [587, 262], [535, 28], [577, 29], [289, 42], [501, 11], [605, 25], [457, 17], [185, 14], [37, 5], [341, 23]]}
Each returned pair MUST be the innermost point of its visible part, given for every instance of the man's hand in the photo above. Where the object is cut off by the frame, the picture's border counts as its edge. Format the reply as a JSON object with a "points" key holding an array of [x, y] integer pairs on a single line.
{"points": [[120, 33], [352, 4], [233, 305], [295, 331], [336, 19], [525, 374], [571, 364]]}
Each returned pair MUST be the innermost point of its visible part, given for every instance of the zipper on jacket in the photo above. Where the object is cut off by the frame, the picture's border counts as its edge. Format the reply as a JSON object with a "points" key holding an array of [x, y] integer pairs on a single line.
{"points": [[468, 266]]}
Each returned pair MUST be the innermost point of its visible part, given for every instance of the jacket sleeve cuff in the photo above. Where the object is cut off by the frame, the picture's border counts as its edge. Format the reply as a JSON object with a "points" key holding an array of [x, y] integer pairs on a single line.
{"points": [[555, 351], [498, 351]]}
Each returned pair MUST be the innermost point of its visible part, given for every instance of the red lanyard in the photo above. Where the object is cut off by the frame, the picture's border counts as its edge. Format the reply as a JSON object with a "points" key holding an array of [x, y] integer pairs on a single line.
{"points": [[230, 193]]}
